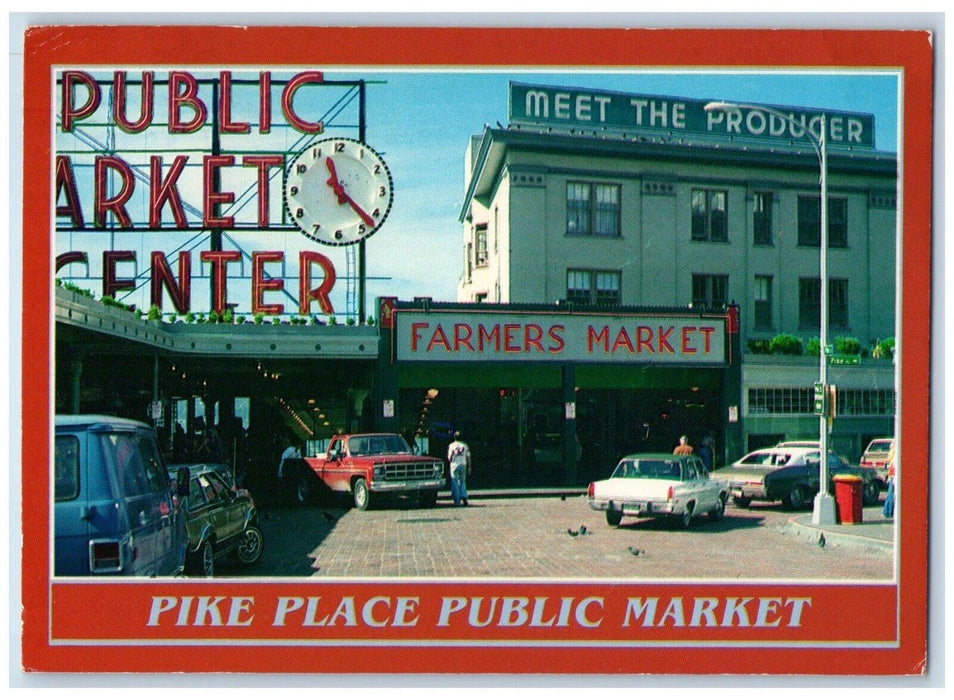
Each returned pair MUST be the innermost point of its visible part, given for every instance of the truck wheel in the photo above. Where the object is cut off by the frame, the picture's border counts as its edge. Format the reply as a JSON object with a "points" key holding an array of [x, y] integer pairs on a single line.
{"points": [[303, 491], [685, 520], [362, 495], [715, 515], [613, 517]]}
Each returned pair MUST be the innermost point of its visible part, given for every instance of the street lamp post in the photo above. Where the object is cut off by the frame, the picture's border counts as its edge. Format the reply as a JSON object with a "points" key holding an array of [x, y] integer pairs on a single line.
{"points": [[823, 512]]}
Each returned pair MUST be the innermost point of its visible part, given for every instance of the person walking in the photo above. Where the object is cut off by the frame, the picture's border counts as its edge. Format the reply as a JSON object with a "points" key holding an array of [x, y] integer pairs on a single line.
{"points": [[707, 452], [888, 510], [683, 448], [458, 456]]}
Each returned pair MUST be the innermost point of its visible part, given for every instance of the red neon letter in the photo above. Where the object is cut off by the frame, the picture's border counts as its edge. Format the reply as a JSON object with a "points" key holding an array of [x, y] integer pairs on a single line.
{"points": [[213, 198], [260, 285], [593, 338], [416, 329], [187, 97], [263, 163], [162, 277], [119, 104], [161, 191], [686, 347], [111, 283], [664, 345], [305, 292], [219, 259], [64, 259], [265, 102], [66, 182], [103, 203], [225, 107], [68, 113], [288, 108]]}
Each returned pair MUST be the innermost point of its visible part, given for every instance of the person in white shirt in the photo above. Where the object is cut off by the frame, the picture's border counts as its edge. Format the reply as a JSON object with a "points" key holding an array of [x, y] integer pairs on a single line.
{"points": [[291, 452], [458, 455]]}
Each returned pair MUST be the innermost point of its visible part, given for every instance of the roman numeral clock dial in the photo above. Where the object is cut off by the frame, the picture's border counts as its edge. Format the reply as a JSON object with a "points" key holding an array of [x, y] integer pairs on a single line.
{"points": [[338, 191]]}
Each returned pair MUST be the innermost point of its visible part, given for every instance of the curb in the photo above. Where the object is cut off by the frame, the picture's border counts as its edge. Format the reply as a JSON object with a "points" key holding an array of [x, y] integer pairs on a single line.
{"points": [[839, 537]]}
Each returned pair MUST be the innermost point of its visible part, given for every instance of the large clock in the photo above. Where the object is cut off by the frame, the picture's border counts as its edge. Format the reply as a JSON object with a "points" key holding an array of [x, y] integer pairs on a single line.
{"points": [[338, 191]]}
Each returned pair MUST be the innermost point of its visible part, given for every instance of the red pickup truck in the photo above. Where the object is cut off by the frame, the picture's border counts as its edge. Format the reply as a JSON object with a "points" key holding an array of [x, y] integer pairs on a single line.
{"points": [[371, 465]]}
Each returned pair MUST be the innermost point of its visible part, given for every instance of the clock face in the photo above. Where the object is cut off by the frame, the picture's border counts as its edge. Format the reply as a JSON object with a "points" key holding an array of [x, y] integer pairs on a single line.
{"points": [[338, 191]]}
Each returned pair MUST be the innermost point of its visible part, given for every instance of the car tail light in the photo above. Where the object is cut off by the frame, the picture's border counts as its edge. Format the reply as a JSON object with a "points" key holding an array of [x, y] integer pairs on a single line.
{"points": [[105, 556], [591, 490], [671, 493]]}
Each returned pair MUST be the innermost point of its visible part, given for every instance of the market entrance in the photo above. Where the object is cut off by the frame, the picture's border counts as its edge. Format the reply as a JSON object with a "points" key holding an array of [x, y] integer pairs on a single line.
{"points": [[547, 398]]}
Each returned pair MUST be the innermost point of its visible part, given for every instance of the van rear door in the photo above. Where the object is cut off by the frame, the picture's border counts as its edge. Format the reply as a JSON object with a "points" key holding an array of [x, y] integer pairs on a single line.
{"points": [[71, 513]]}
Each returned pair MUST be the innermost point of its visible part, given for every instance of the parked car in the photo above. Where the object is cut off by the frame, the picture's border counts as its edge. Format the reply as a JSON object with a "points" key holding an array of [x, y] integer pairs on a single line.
{"points": [[790, 475], [113, 510], [370, 466], [875, 457], [221, 519], [653, 485]]}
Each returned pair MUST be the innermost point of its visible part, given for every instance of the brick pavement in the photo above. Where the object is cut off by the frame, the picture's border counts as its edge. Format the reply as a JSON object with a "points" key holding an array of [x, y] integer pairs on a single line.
{"points": [[528, 538]]}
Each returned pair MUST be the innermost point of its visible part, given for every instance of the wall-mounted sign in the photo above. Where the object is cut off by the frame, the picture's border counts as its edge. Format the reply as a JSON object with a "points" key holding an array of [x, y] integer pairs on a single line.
{"points": [[460, 336], [655, 114]]}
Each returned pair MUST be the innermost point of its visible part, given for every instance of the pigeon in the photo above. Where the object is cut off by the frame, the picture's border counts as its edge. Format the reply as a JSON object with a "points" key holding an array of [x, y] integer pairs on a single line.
{"points": [[582, 529], [635, 552], [821, 540], [572, 533]]}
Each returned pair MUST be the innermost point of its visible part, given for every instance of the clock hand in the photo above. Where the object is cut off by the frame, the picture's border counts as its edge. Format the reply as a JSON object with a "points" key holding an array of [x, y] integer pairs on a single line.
{"points": [[365, 217], [344, 197]]}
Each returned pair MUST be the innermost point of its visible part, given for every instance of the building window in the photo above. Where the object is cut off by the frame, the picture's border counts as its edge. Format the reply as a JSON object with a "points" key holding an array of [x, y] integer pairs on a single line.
{"points": [[592, 209], [809, 221], [480, 245], [710, 290], [799, 401], [809, 303], [838, 303], [710, 215], [762, 218], [763, 301], [601, 287]]}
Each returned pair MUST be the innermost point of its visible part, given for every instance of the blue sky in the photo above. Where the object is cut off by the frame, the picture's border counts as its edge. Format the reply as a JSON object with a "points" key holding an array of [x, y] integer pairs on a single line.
{"points": [[421, 121]]}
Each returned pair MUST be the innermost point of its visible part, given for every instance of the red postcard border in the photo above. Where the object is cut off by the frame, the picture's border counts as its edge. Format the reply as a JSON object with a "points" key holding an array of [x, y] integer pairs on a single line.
{"points": [[907, 51]]}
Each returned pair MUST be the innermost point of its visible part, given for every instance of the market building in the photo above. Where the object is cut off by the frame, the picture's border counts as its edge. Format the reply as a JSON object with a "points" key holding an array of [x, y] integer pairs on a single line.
{"points": [[618, 283], [615, 200]]}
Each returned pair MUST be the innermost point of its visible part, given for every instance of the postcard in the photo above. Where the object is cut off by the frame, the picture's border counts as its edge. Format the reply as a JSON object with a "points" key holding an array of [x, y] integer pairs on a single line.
{"points": [[347, 349]]}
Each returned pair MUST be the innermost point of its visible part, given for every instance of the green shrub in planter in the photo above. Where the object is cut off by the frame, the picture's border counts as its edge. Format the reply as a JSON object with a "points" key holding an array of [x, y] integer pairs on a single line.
{"points": [[845, 345], [813, 347], [759, 346], [786, 344]]}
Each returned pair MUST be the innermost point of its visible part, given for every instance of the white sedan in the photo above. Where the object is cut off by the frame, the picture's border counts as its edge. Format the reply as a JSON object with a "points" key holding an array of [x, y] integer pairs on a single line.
{"points": [[652, 485]]}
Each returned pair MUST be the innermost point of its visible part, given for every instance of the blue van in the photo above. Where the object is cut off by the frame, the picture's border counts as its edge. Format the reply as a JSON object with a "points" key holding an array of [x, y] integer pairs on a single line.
{"points": [[114, 512]]}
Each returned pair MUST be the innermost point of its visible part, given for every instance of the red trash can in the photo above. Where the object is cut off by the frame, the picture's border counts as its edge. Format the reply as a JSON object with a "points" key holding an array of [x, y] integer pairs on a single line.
{"points": [[849, 499]]}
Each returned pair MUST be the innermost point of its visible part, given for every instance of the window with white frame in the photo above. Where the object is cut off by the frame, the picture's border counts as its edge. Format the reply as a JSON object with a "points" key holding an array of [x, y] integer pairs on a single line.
{"points": [[592, 209], [710, 219], [588, 287]]}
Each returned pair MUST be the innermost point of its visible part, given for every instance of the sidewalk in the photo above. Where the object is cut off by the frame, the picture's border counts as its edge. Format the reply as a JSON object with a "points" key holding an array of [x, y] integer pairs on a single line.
{"points": [[875, 530]]}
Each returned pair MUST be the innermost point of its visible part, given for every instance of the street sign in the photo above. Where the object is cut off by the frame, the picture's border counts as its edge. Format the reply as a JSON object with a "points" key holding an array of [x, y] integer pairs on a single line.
{"points": [[845, 360], [819, 409]]}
